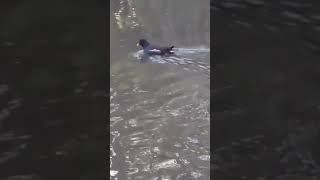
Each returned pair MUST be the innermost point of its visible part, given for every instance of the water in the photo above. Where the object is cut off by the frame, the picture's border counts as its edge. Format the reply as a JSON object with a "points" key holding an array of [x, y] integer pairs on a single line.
{"points": [[52, 90], [266, 64], [266, 104], [159, 114]]}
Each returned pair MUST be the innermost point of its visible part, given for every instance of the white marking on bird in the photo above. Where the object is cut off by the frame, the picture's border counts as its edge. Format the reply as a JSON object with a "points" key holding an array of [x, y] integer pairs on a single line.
{"points": [[155, 50]]}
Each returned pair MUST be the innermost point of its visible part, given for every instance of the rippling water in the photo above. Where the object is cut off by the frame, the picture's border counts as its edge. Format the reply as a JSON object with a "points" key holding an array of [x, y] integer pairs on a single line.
{"points": [[267, 55], [159, 116]]}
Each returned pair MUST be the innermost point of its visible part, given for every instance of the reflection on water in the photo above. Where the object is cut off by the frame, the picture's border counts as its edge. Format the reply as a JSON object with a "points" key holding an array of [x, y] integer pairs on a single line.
{"points": [[159, 111]]}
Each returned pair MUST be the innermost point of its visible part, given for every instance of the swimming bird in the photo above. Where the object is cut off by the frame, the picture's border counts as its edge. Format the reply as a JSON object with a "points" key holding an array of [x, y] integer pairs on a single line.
{"points": [[150, 49]]}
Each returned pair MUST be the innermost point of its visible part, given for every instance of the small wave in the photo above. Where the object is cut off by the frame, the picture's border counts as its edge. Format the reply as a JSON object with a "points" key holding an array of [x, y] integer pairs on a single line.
{"points": [[192, 50], [179, 51], [191, 58]]}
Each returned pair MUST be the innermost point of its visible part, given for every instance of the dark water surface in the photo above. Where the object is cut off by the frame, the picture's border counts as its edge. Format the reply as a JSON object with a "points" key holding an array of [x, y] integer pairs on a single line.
{"points": [[266, 96], [265, 92], [52, 89], [159, 114]]}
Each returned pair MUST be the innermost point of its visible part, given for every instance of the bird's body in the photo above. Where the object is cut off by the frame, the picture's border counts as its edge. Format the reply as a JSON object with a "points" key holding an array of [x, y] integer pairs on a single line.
{"points": [[150, 50]]}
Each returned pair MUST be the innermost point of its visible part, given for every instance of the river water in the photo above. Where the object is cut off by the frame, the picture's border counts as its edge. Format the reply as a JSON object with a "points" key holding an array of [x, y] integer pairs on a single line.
{"points": [[159, 111], [266, 90], [266, 100]]}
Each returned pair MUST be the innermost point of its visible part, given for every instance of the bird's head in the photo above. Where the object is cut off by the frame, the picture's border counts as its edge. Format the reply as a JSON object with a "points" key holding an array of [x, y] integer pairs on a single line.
{"points": [[144, 43]]}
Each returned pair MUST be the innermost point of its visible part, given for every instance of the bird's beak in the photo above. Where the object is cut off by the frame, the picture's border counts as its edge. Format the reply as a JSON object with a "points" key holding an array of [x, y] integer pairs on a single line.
{"points": [[137, 44]]}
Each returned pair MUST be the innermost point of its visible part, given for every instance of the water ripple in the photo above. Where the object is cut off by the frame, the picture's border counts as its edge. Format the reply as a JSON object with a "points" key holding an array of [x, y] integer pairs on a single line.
{"points": [[159, 120]]}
